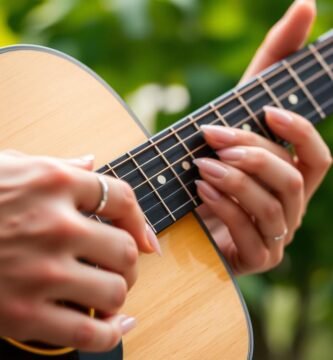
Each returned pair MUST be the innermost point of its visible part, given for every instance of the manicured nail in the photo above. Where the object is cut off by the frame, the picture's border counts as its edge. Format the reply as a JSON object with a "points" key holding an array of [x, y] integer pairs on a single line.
{"points": [[231, 154], [152, 238], [127, 323], [88, 158], [211, 168], [207, 190], [220, 134], [280, 116]]}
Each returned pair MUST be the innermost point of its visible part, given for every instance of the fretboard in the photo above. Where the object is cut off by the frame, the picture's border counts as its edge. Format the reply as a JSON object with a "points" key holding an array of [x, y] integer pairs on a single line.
{"points": [[161, 171]]}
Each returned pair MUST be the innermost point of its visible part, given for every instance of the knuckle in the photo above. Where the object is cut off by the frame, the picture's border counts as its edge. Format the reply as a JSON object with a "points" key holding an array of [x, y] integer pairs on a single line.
{"points": [[326, 161], [131, 251], [296, 183], [305, 132], [276, 258], [272, 210], [258, 161], [66, 227], [261, 259], [85, 335], [249, 138], [129, 195], [239, 183], [19, 311], [115, 337], [54, 172], [119, 292], [50, 272]]}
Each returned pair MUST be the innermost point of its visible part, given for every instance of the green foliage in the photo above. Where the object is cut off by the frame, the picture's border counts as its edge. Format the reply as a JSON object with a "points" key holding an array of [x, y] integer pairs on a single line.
{"points": [[204, 46]]}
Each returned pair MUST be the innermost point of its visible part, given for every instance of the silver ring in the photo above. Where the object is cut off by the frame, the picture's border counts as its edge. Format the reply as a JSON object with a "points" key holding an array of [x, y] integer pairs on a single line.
{"points": [[282, 236], [105, 193]]}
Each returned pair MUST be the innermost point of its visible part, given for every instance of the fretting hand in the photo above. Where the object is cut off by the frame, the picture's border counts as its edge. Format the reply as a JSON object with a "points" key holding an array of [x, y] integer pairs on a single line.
{"points": [[256, 195]]}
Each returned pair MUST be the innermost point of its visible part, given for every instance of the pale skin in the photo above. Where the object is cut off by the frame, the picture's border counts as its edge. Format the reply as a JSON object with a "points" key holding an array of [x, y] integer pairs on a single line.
{"points": [[43, 233], [258, 191]]}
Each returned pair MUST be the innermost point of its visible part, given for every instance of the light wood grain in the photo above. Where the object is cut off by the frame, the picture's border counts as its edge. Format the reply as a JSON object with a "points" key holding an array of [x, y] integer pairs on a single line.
{"points": [[185, 302]]}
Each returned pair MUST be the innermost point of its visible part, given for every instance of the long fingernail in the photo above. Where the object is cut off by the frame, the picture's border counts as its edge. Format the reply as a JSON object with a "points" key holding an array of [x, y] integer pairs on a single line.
{"points": [[207, 190], [152, 238], [88, 157], [211, 168], [127, 323], [280, 116], [220, 134], [231, 154]]}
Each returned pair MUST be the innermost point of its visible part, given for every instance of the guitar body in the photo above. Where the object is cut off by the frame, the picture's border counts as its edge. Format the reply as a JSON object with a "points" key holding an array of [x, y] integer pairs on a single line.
{"points": [[186, 303]]}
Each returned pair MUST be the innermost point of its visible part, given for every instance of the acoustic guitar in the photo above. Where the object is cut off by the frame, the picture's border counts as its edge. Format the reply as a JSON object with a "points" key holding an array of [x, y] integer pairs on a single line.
{"points": [[187, 303]]}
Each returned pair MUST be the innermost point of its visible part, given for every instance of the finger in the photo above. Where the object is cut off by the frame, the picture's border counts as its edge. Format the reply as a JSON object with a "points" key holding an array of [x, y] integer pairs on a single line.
{"points": [[110, 248], [250, 252], [85, 162], [219, 137], [285, 37], [121, 206], [62, 326], [92, 287], [314, 157], [284, 179], [257, 201]]}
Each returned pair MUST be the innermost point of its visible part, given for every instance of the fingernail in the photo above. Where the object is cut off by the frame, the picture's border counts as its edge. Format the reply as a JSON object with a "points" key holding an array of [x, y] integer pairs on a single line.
{"points": [[211, 168], [88, 157], [152, 238], [231, 154], [127, 323], [280, 116], [220, 134], [207, 190]]}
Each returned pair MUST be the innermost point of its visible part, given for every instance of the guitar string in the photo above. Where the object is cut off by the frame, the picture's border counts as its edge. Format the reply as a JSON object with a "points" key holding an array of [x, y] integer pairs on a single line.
{"points": [[249, 117], [247, 86], [192, 198], [317, 92], [313, 113], [278, 83], [314, 77]]}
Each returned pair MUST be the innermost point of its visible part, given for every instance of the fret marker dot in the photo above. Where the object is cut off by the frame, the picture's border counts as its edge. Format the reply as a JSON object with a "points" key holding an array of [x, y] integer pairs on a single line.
{"points": [[293, 99], [186, 165], [247, 127], [161, 179]]}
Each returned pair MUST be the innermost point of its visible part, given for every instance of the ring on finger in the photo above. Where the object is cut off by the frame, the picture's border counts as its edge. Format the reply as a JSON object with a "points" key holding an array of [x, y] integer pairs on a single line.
{"points": [[105, 193]]}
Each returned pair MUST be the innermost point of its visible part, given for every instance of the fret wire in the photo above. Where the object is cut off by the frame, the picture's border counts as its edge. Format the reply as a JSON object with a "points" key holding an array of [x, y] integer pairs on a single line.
{"points": [[113, 172], [218, 114], [310, 115], [321, 60], [180, 140], [272, 73], [314, 77], [323, 88], [165, 217], [152, 186], [251, 113], [269, 91], [175, 173], [194, 123], [293, 73], [279, 82]]}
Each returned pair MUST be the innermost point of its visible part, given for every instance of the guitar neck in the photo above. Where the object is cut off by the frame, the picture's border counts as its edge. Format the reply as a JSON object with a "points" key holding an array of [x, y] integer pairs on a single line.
{"points": [[160, 170]]}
